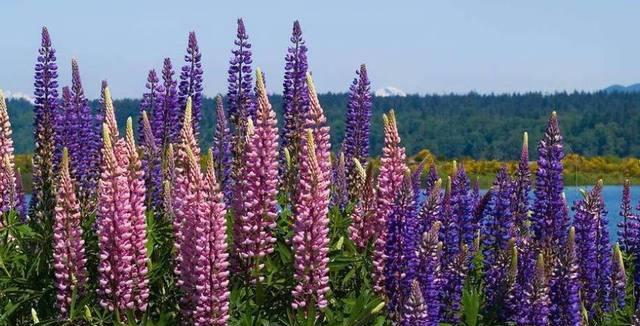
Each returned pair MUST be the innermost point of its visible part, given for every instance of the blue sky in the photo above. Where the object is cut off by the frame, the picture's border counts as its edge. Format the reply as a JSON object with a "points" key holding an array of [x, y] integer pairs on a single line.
{"points": [[417, 46]]}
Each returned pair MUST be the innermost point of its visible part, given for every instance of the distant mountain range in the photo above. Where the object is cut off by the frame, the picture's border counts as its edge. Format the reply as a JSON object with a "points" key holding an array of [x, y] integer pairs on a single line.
{"points": [[623, 89]]}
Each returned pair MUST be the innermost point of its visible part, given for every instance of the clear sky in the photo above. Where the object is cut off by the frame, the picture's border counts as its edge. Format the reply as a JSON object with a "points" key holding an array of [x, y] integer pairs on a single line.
{"points": [[417, 46]]}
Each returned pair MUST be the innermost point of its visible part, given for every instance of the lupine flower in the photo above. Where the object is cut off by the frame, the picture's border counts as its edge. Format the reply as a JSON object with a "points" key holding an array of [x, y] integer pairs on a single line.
{"points": [[432, 177], [475, 191], [357, 129], [9, 200], [9, 182], [462, 204], [222, 139], [317, 122], [568, 310], [311, 230], [604, 254], [46, 101], [239, 95], [539, 308], [549, 222], [261, 182], [497, 232], [295, 99], [619, 278], [628, 227], [364, 213], [392, 170], [110, 116], [68, 243], [523, 293], [414, 310], [152, 165], [416, 181], [21, 205], [151, 102], [340, 197], [191, 82], [166, 122], [429, 272], [521, 187], [431, 211], [66, 124]]}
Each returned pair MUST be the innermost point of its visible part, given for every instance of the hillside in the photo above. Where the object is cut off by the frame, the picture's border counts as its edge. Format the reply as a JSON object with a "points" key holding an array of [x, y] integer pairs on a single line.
{"points": [[453, 126]]}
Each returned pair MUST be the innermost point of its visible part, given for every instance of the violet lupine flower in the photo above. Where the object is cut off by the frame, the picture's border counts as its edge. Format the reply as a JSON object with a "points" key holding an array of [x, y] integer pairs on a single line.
{"points": [[497, 232], [414, 310], [523, 294], [416, 181], [9, 181], [114, 229], [223, 159], [357, 129], [619, 278], [392, 170], [400, 250], [46, 101], [462, 205], [340, 196], [191, 82], [429, 272], [239, 95], [604, 254], [432, 177], [295, 98], [261, 182], [364, 213], [66, 125], [431, 211], [521, 189], [152, 165], [540, 297], [626, 229], [311, 230], [151, 103], [166, 121], [549, 223], [567, 311], [68, 243]]}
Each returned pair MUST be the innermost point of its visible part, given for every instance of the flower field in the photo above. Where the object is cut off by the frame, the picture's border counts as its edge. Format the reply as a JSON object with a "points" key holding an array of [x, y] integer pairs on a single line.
{"points": [[139, 225]]}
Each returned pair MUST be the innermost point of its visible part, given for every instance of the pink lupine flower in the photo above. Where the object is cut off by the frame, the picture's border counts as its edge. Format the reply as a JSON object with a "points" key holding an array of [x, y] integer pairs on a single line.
{"points": [[364, 213], [68, 244], [137, 190], [392, 171], [8, 188], [110, 115], [311, 228], [317, 122], [261, 182]]}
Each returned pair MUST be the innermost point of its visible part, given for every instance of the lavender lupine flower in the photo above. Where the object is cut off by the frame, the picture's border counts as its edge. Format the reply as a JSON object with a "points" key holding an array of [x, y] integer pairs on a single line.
{"points": [[222, 139], [46, 101], [166, 121], [191, 82], [311, 230], [239, 95], [521, 188], [364, 213], [540, 303], [295, 99], [462, 205], [431, 211], [261, 182], [548, 221], [151, 103], [625, 229], [114, 229], [358, 125], [619, 278], [416, 181], [392, 170], [568, 310], [9, 192], [429, 272], [68, 243], [137, 192], [497, 232], [152, 165], [414, 310], [340, 197]]}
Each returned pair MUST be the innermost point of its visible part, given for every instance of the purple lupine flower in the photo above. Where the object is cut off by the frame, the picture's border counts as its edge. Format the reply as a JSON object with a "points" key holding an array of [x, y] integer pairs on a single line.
{"points": [[311, 230], [137, 192], [10, 181], [416, 181], [340, 196], [431, 211], [462, 205], [619, 278], [166, 121], [414, 310], [539, 308], [523, 294], [295, 98], [239, 95], [46, 101], [261, 182], [66, 124], [400, 250], [364, 213], [191, 82], [392, 170], [521, 188], [548, 221], [432, 177], [626, 227], [568, 310], [114, 229], [152, 165], [151, 103], [604, 253], [68, 243], [475, 191], [429, 272], [358, 125], [222, 139], [497, 232], [509, 312]]}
